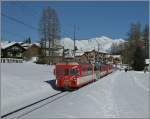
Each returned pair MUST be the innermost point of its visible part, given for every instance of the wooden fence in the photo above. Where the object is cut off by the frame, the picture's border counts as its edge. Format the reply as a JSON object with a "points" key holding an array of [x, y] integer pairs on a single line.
{"points": [[11, 60]]}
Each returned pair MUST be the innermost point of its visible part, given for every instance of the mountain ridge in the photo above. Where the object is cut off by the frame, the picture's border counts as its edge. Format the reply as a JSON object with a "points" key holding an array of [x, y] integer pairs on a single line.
{"points": [[102, 43]]}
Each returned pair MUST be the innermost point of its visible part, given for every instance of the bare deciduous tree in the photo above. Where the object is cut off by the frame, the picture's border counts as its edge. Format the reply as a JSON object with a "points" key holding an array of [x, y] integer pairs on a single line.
{"points": [[49, 33]]}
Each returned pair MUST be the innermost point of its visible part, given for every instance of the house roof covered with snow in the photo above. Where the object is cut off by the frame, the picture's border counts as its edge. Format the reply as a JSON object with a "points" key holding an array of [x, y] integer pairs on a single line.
{"points": [[5, 45], [79, 53], [116, 56], [100, 51]]}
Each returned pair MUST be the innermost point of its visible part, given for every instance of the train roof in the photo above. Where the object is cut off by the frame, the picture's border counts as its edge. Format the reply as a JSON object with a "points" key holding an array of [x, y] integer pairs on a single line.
{"points": [[70, 63], [73, 63]]}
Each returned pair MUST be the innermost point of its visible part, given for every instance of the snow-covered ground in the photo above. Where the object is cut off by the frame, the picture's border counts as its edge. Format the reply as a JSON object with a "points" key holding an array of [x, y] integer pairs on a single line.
{"points": [[22, 84], [123, 95], [120, 94]]}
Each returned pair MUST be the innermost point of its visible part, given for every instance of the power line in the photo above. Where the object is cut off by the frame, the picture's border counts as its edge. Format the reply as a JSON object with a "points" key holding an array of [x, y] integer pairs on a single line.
{"points": [[22, 6], [21, 22], [5, 31], [18, 21], [13, 34]]}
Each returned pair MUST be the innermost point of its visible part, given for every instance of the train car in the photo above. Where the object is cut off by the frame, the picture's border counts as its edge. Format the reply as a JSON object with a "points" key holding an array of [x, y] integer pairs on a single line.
{"points": [[110, 68], [103, 70], [73, 75], [97, 74]]}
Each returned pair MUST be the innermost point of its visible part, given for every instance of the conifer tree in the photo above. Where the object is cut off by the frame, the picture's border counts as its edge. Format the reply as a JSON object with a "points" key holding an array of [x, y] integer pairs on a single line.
{"points": [[135, 41], [138, 59], [146, 40]]}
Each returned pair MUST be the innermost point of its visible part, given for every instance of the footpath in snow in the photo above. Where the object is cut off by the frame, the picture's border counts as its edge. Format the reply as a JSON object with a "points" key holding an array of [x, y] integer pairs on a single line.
{"points": [[120, 94]]}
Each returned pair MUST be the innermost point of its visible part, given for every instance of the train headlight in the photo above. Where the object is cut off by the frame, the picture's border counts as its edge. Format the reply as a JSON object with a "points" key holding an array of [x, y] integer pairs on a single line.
{"points": [[56, 82], [74, 79]]}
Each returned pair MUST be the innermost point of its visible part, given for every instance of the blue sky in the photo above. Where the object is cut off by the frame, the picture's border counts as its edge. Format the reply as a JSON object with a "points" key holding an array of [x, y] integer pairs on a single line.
{"points": [[94, 19]]}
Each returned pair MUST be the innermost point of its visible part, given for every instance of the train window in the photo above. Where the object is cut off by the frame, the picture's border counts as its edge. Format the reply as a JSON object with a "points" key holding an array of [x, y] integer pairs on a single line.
{"points": [[61, 72], [95, 67], [74, 72], [84, 73], [78, 72], [87, 71]]}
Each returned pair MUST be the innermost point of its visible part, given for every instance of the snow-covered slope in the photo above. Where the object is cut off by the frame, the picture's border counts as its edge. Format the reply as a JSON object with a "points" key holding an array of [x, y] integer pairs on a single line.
{"points": [[90, 44]]}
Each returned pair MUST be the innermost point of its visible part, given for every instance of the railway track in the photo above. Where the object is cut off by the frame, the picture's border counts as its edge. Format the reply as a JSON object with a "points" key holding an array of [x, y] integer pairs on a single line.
{"points": [[18, 113]]}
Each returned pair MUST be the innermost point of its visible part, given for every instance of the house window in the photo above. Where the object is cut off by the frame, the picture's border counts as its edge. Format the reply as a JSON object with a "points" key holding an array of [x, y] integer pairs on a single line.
{"points": [[9, 54], [47, 53]]}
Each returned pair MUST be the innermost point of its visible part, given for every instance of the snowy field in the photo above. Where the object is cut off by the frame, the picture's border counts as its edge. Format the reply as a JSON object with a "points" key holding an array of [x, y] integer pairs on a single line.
{"points": [[22, 84], [120, 94]]}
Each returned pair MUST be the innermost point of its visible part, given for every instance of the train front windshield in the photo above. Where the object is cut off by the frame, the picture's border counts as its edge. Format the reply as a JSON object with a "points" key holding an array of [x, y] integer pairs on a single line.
{"points": [[67, 71], [74, 71]]}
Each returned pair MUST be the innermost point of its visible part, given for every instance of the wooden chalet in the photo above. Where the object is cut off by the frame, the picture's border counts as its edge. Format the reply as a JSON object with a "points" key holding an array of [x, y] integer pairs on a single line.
{"points": [[12, 50]]}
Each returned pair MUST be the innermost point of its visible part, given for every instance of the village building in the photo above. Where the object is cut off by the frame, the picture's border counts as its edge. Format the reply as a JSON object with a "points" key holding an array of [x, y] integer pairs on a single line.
{"points": [[147, 63], [19, 51], [80, 57], [117, 59], [92, 56], [114, 59], [26, 45], [52, 55], [32, 50], [26, 51], [96, 56], [11, 52]]}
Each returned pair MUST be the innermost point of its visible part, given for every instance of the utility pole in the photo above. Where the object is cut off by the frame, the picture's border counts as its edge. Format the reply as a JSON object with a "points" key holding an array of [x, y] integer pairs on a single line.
{"points": [[74, 37], [98, 48], [75, 29]]}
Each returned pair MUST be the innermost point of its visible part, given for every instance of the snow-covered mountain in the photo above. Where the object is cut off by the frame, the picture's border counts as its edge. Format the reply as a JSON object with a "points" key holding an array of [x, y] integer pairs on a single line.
{"points": [[90, 44], [104, 43]]}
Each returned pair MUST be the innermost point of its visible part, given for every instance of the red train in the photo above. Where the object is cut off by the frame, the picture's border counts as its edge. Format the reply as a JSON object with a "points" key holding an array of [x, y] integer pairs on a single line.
{"points": [[75, 75]]}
